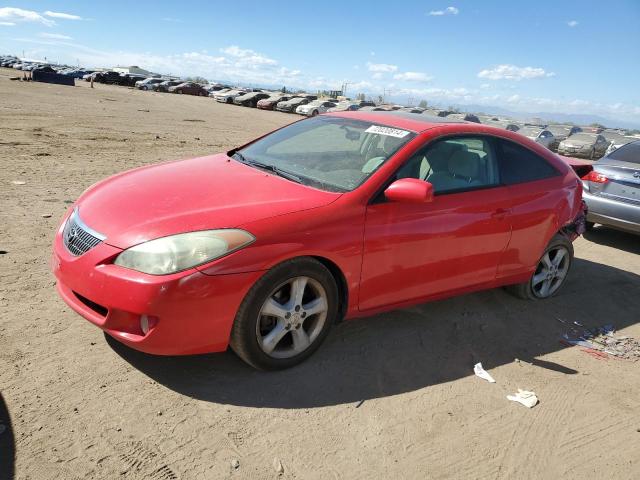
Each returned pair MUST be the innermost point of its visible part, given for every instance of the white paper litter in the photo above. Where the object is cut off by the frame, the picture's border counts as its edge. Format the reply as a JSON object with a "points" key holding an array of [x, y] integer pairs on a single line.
{"points": [[482, 373], [526, 398]]}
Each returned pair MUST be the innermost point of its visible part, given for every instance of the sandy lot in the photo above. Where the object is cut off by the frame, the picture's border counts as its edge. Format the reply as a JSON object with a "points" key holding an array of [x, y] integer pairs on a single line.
{"points": [[392, 396]]}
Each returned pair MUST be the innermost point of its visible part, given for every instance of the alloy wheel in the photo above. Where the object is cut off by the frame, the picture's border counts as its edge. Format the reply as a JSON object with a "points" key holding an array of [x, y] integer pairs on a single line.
{"points": [[292, 317], [551, 272]]}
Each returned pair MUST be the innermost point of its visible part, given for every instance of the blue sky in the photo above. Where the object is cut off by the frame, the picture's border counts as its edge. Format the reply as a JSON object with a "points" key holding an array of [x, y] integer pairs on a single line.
{"points": [[550, 56]]}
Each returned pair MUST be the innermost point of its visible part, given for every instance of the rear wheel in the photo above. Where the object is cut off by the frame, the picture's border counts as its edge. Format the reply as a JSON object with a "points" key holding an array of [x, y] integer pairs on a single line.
{"points": [[551, 271], [279, 327], [314, 113]]}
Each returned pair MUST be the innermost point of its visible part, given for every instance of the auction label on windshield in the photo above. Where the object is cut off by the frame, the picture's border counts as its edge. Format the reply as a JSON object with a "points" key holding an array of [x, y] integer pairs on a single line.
{"points": [[391, 132]]}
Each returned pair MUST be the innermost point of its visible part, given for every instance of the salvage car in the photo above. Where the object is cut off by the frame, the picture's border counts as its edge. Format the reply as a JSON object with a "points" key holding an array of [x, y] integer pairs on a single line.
{"points": [[250, 99], [338, 216], [163, 87], [108, 77], [291, 104], [612, 189], [148, 83], [616, 140], [539, 135], [312, 109], [189, 88], [270, 102], [584, 145], [228, 96], [561, 132], [345, 107]]}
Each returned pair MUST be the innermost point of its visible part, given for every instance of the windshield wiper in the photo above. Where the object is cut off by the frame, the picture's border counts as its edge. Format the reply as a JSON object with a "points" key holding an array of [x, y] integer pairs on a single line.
{"points": [[268, 167]]}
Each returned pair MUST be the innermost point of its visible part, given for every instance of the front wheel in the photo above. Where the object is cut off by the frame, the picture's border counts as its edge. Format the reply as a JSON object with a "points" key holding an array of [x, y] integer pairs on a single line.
{"points": [[551, 271], [279, 327]]}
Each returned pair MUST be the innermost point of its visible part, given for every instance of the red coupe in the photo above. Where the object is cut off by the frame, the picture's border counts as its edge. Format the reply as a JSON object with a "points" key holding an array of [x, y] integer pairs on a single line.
{"points": [[265, 247]]}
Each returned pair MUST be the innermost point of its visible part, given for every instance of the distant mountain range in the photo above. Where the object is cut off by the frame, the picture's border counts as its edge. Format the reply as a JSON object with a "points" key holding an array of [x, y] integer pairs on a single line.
{"points": [[577, 118]]}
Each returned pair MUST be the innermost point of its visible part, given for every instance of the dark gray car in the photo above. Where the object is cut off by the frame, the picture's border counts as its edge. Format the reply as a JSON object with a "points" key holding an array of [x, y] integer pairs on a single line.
{"points": [[612, 189]]}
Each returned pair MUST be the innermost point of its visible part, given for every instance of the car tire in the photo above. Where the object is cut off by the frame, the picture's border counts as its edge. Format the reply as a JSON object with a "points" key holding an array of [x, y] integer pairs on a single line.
{"points": [[314, 113], [289, 336], [229, 100], [589, 225], [553, 279]]}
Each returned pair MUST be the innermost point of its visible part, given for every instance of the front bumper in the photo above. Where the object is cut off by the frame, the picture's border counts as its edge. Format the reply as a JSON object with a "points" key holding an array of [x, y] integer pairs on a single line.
{"points": [[580, 153], [613, 213], [190, 312]]}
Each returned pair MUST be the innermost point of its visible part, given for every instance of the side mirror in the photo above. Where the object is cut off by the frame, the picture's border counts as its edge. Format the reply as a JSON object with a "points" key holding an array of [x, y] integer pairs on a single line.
{"points": [[409, 190]]}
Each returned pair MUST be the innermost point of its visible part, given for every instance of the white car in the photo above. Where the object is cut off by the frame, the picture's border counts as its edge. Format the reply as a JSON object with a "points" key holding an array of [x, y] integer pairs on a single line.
{"points": [[539, 135], [314, 108], [227, 97], [616, 141]]}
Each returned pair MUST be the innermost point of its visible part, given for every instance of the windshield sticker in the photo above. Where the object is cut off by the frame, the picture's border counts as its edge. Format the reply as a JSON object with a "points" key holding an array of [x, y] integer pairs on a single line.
{"points": [[391, 132]]}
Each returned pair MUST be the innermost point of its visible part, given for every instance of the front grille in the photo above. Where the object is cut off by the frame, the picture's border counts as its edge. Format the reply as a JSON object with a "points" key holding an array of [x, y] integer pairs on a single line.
{"points": [[77, 237]]}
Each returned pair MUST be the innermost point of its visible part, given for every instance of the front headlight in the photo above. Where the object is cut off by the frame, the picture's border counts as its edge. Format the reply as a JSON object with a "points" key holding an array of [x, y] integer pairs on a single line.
{"points": [[180, 252]]}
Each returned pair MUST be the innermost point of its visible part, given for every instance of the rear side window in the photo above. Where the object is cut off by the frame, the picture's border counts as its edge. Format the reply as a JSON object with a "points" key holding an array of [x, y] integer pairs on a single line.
{"points": [[519, 164], [627, 153]]}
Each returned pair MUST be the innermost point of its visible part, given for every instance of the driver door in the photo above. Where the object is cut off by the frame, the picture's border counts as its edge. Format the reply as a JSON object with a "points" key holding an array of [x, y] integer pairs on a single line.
{"points": [[413, 251]]}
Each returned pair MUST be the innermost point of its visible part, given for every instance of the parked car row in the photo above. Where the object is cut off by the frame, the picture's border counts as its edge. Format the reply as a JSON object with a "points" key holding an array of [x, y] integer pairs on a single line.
{"points": [[585, 142]]}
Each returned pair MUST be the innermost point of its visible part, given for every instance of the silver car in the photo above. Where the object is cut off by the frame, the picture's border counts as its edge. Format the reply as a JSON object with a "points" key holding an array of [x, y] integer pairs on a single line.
{"points": [[612, 189], [539, 135], [584, 145], [561, 133]]}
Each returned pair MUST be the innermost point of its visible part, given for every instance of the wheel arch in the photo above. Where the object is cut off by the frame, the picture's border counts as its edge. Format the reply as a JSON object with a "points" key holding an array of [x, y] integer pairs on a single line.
{"points": [[341, 283]]}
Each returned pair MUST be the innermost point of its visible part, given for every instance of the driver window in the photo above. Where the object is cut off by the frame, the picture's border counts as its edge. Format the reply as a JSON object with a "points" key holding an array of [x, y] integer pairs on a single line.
{"points": [[454, 164]]}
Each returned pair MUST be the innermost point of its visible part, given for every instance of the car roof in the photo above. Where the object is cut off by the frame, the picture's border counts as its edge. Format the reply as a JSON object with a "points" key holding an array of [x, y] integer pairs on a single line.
{"points": [[416, 122]]}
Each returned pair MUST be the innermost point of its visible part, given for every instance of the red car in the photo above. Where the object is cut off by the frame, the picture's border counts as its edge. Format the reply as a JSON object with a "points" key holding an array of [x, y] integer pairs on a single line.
{"points": [[340, 216]]}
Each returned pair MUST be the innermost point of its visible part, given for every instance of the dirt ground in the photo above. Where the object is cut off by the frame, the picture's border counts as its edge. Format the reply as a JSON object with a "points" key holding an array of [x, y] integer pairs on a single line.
{"points": [[393, 396]]}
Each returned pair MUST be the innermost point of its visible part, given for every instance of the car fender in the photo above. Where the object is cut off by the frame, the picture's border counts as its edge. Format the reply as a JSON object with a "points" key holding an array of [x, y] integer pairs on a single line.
{"points": [[332, 232]]}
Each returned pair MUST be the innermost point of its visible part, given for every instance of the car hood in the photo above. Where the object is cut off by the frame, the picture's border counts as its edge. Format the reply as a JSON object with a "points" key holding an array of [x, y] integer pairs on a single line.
{"points": [[577, 143], [189, 195]]}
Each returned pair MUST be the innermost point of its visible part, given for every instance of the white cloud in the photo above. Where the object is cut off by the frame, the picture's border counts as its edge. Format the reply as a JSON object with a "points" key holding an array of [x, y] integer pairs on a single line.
{"points": [[247, 57], [512, 72], [417, 77], [485, 85], [54, 36], [381, 67], [11, 15], [65, 16], [7, 24], [237, 65], [446, 11], [573, 23]]}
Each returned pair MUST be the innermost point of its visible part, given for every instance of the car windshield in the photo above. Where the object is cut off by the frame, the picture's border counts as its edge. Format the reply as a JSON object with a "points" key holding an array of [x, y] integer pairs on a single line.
{"points": [[330, 153], [629, 153]]}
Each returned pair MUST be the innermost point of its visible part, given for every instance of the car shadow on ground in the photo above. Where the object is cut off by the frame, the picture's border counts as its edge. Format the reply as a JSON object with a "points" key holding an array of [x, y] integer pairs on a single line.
{"points": [[409, 349], [614, 238], [7, 443]]}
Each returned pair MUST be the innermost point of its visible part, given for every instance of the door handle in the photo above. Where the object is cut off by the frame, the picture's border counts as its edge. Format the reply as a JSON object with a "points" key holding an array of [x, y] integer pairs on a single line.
{"points": [[500, 213]]}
